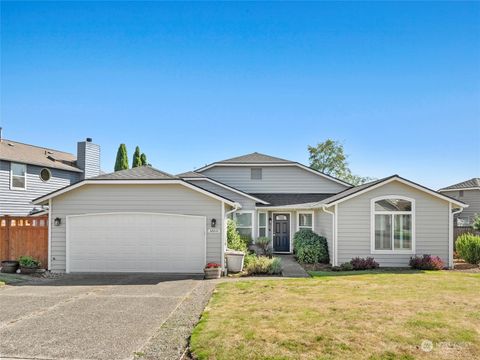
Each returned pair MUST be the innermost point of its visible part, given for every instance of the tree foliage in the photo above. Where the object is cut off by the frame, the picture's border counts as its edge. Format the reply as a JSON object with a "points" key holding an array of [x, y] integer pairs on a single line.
{"points": [[137, 160], [143, 158], [329, 157], [121, 163]]}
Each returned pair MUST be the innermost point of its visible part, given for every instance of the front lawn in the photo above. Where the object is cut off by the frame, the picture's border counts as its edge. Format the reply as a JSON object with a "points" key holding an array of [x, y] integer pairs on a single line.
{"points": [[405, 315]]}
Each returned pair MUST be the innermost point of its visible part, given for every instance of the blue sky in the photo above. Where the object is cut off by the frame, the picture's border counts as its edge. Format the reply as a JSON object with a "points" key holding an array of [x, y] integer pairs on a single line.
{"points": [[191, 83]]}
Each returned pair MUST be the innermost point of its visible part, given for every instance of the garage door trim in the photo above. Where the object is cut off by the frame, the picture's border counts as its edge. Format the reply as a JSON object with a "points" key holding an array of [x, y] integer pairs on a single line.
{"points": [[67, 230]]}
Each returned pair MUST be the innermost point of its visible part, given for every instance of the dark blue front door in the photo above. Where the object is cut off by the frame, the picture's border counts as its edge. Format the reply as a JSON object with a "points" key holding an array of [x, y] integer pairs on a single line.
{"points": [[281, 233]]}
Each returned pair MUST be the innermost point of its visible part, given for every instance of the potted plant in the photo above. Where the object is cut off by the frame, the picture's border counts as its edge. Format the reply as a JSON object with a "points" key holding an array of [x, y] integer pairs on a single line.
{"points": [[213, 271], [234, 260], [9, 266], [28, 264]]}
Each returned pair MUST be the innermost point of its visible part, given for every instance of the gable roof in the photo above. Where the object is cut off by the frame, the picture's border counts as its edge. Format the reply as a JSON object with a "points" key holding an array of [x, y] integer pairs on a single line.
{"points": [[35, 155], [257, 159], [139, 175], [144, 172], [357, 190], [471, 184], [191, 174]]}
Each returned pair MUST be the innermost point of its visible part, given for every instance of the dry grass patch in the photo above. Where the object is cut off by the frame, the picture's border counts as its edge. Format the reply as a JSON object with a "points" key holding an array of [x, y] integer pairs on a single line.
{"points": [[367, 316]]}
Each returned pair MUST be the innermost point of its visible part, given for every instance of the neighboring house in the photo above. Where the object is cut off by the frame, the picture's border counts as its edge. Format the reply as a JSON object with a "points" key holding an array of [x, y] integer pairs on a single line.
{"points": [[145, 220], [28, 171], [468, 192]]}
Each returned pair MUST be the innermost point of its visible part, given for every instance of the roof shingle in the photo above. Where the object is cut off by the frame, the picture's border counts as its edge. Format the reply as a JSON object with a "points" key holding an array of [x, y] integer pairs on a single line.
{"points": [[137, 173], [255, 158], [472, 183]]}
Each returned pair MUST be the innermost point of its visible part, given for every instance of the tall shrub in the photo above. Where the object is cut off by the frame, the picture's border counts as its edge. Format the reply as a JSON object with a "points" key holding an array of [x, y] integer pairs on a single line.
{"points": [[468, 247], [476, 222], [309, 247], [143, 157], [121, 163], [234, 240], [137, 160]]}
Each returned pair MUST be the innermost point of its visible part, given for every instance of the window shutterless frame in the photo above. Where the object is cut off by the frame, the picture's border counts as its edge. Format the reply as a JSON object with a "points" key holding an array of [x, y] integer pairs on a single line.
{"points": [[252, 225], [305, 226], [372, 225], [262, 226], [12, 176]]}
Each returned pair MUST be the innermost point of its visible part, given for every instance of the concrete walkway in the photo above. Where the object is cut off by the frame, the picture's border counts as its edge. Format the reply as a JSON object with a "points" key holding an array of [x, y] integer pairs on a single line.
{"points": [[291, 268]]}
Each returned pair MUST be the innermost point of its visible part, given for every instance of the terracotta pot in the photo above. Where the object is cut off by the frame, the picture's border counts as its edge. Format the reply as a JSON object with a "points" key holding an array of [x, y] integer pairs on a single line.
{"points": [[9, 266], [213, 273], [28, 270]]}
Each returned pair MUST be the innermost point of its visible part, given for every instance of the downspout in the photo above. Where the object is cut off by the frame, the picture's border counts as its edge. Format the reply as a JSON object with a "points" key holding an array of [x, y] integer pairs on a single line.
{"points": [[334, 240], [452, 240]]}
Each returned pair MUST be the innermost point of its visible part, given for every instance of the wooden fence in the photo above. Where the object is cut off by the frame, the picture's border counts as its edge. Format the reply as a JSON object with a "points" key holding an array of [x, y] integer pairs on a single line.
{"points": [[24, 236]]}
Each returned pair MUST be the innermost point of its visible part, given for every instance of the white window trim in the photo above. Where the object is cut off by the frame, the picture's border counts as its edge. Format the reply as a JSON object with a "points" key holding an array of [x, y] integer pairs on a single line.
{"points": [[252, 212], [11, 177], [372, 224], [266, 223], [256, 168], [305, 227]]}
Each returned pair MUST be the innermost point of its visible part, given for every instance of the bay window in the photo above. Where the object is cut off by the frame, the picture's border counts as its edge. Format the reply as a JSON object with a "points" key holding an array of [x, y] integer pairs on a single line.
{"points": [[393, 225]]}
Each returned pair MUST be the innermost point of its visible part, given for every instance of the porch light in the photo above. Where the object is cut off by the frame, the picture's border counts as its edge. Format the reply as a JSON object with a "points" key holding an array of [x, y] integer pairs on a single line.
{"points": [[213, 223], [57, 221]]}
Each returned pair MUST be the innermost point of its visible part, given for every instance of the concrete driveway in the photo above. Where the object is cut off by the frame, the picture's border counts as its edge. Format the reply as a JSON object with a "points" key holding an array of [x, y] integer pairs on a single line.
{"points": [[101, 317]]}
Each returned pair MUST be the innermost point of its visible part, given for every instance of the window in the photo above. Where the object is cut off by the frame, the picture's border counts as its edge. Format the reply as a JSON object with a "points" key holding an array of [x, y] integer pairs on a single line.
{"points": [[45, 174], [305, 220], [256, 173], [262, 224], [244, 222], [18, 177], [460, 193], [393, 224]]}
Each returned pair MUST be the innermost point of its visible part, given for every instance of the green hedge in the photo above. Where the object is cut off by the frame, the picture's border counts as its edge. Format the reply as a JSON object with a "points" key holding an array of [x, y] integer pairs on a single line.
{"points": [[309, 247], [468, 247]]}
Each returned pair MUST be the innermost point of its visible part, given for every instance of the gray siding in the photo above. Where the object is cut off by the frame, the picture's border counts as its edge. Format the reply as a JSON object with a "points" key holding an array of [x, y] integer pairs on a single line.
{"points": [[172, 199], [275, 179], [323, 226], [247, 204], [354, 226], [18, 202], [88, 158], [470, 197]]}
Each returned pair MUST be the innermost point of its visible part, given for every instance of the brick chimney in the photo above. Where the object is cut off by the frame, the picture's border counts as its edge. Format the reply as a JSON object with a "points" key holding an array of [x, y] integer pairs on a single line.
{"points": [[88, 158]]}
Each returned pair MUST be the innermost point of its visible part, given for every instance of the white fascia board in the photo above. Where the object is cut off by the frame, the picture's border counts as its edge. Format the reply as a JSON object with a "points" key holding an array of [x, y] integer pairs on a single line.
{"points": [[406, 182], [471, 188], [228, 188], [277, 164]]}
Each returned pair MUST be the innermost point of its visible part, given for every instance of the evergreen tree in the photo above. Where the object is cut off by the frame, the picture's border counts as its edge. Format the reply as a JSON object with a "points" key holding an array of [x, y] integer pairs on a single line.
{"points": [[121, 163], [137, 161], [143, 158]]}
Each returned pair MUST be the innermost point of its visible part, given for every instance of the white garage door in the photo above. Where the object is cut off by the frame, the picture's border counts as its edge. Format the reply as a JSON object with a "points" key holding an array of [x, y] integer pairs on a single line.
{"points": [[136, 242]]}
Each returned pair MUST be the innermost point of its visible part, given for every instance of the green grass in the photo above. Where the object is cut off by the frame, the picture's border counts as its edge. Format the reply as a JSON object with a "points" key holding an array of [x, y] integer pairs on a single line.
{"points": [[355, 315], [10, 279]]}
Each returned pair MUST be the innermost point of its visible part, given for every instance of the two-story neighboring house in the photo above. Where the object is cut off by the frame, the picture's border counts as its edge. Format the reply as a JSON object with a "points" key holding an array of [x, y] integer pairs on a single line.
{"points": [[146, 220], [469, 192], [29, 171]]}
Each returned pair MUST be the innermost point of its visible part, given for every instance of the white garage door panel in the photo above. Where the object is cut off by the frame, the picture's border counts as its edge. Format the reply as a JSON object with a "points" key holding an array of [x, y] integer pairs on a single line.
{"points": [[136, 242]]}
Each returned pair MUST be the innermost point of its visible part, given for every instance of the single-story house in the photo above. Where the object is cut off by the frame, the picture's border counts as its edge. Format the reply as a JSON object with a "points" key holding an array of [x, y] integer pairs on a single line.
{"points": [[146, 220]]}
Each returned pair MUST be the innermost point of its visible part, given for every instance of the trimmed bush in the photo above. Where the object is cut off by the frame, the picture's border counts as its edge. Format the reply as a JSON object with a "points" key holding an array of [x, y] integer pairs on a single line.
{"points": [[309, 247], [476, 222], [468, 247], [260, 265], [346, 266], [234, 240], [363, 264], [426, 262]]}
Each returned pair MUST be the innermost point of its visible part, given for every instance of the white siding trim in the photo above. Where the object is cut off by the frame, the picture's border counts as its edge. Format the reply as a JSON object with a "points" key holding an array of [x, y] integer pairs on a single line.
{"points": [[470, 188], [406, 182], [372, 224], [305, 212]]}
